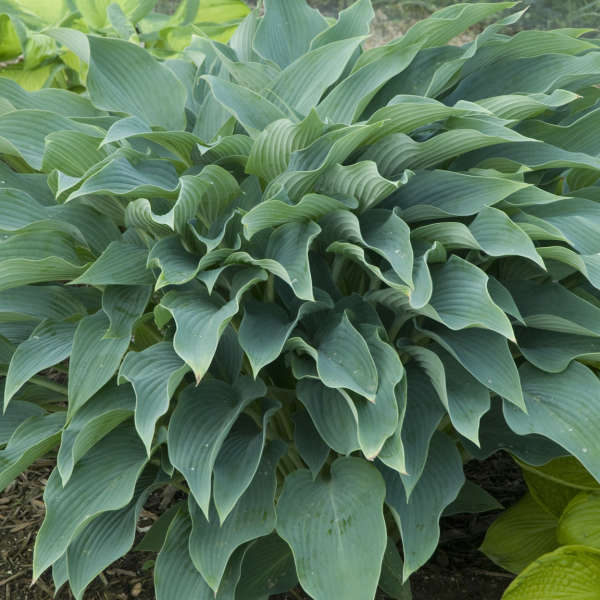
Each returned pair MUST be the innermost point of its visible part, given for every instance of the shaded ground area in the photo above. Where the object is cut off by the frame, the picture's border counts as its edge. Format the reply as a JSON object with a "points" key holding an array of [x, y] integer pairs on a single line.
{"points": [[457, 571]]}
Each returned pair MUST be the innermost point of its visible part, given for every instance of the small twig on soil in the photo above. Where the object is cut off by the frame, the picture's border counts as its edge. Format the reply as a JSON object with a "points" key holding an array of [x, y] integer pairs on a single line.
{"points": [[495, 573], [17, 574]]}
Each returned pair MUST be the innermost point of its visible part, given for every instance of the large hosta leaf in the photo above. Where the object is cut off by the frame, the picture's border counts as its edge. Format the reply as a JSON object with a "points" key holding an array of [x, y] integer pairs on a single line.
{"points": [[569, 572], [563, 407], [212, 543], [318, 517], [239, 459], [520, 535], [579, 522], [106, 538], [202, 420], [175, 575], [49, 344], [103, 480], [201, 319], [102, 413], [418, 518], [94, 359], [31, 439], [154, 374], [125, 78]]}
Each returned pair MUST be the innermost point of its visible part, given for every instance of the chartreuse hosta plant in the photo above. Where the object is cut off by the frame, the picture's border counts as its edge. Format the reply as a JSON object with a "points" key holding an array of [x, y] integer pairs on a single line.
{"points": [[42, 41], [300, 282], [552, 535]]}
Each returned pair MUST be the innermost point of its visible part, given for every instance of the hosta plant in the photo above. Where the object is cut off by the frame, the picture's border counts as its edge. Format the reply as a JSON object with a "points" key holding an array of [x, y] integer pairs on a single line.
{"points": [[300, 283], [551, 537], [41, 40]]}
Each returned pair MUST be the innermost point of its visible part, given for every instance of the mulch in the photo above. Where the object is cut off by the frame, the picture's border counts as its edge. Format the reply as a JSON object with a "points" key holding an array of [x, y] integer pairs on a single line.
{"points": [[457, 571]]}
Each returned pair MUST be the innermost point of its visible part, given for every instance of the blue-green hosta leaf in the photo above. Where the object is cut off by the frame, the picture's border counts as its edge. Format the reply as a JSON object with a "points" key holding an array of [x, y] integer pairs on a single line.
{"points": [[362, 181], [579, 522], [576, 218], [397, 152], [124, 305], [175, 575], [125, 78], [526, 106], [60, 574], [286, 256], [352, 21], [52, 100], [239, 459], [574, 137], [18, 412], [496, 435], [562, 407], [498, 235], [36, 303], [377, 421], [252, 110], [553, 351], [527, 44], [106, 538], [534, 155], [105, 411], [49, 343], [103, 480], [465, 399], [306, 165], [72, 152], [406, 112], [310, 445], [460, 299], [149, 178], [31, 439], [201, 318], [390, 580], [212, 543], [552, 307], [120, 264], [472, 499], [486, 356], [448, 22], [38, 255], [528, 75], [317, 517], [23, 133], [274, 212], [94, 359], [200, 423], [154, 374], [407, 450], [435, 194], [418, 519], [520, 535], [271, 151], [348, 99], [333, 414], [207, 195], [286, 31], [570, 571], [267, 569], [301, 84], [381, 231], [344, 360], [588, 266]]}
